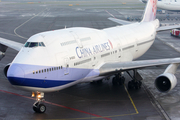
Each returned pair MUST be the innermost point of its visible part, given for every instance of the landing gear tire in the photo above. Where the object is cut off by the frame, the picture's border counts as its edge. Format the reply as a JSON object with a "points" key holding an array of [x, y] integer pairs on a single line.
{"points": [[134, 84], [99, 82], [130, 85], [121, 80], [40, 108], [114, 81], [138, 85], [35, 109], [118, 80]]}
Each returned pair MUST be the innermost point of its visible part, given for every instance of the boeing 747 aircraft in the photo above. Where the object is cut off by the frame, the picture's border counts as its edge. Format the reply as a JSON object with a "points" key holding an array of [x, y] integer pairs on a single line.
{"points": [[171, 5], [55, 60]]}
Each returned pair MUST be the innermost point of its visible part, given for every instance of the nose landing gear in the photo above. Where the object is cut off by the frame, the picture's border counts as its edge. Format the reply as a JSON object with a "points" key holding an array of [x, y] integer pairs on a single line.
{"points": [[38, 106]]}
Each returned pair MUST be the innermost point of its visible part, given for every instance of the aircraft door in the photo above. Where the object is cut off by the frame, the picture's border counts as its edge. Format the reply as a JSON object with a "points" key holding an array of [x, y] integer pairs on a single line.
{"points": [[119, 52], [136, 49], [136, 46], [63, 64], [66, 67], [120, 42], [94, 61]]}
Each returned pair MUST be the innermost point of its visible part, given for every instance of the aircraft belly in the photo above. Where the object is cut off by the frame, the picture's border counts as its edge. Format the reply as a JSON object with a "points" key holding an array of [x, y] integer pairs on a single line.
{"points": [[40, 83], [39, 80]]}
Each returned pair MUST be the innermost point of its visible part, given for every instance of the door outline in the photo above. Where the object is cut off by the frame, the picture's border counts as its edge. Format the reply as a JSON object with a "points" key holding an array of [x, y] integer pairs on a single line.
{"points": [[66, 67], [63, 63]]}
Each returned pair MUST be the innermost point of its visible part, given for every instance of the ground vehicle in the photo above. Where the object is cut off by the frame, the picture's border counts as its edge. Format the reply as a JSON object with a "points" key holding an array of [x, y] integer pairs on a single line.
{"points": [[175, 32]]}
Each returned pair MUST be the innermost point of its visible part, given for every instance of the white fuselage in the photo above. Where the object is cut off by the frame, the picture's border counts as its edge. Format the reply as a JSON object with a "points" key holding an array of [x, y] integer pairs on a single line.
{"points": [[172, 5], [74, 55]]}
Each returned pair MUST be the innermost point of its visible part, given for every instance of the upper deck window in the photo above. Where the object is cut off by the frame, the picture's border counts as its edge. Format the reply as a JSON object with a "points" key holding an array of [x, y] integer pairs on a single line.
{"points": [[34, 44]]}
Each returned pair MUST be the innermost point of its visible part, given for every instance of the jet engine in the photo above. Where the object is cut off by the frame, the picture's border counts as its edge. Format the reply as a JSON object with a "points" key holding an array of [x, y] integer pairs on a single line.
{"points": [[165, 82], [6, 69]]}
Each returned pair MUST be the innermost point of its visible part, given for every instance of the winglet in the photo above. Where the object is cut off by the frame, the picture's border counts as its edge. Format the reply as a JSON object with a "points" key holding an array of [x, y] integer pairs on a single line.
{"points": [[150, 11]]}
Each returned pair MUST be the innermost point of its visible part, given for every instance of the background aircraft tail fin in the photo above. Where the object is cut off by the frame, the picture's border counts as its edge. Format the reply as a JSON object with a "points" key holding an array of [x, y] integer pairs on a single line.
{"points": [[150, 11]]}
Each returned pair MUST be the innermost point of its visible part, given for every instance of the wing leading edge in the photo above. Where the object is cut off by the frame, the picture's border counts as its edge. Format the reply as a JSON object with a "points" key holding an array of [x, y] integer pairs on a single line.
{"points": [[167, 27], [123, 22], [111, 68], [11, 44]]}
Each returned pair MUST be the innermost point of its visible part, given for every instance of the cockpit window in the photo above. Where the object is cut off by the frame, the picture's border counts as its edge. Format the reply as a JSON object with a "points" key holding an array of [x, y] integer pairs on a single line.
{"points": [[27, 44], [34, 44], [42, 44]]}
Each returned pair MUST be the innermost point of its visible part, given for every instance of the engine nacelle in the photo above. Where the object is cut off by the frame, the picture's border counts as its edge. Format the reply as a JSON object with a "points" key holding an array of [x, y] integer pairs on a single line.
{"points": [[6, 69], [165, 82]]}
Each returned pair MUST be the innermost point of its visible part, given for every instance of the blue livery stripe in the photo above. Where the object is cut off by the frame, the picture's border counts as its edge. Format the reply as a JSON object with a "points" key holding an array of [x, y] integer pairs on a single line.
{"points": [[37, 82]]}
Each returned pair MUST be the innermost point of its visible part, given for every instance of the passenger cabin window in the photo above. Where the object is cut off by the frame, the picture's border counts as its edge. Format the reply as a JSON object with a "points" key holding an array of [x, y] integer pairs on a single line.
{"points": [[34, 44]]}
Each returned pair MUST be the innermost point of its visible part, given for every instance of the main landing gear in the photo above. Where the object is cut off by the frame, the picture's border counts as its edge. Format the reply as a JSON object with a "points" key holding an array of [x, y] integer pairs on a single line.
{"points": [[135, 83], [118, 79], [38, 106], [99, 82]]}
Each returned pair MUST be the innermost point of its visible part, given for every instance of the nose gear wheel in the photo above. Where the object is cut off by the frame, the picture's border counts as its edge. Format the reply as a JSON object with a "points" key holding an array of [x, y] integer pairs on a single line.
{"points": [[38, 106]]}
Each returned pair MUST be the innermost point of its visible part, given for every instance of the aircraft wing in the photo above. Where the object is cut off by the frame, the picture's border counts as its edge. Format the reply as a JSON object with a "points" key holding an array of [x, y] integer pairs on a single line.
{"points": [[114, 67], [122, 22], [167, 27], [11, 44]]}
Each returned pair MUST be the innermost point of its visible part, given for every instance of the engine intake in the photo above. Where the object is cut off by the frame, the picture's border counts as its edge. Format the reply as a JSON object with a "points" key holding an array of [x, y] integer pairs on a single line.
{"points": [[165, 82], [6, 69]]}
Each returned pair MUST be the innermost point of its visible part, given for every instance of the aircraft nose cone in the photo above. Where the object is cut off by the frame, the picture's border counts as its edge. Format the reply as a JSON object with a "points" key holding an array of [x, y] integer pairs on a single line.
{"points": [[15, 74]]}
